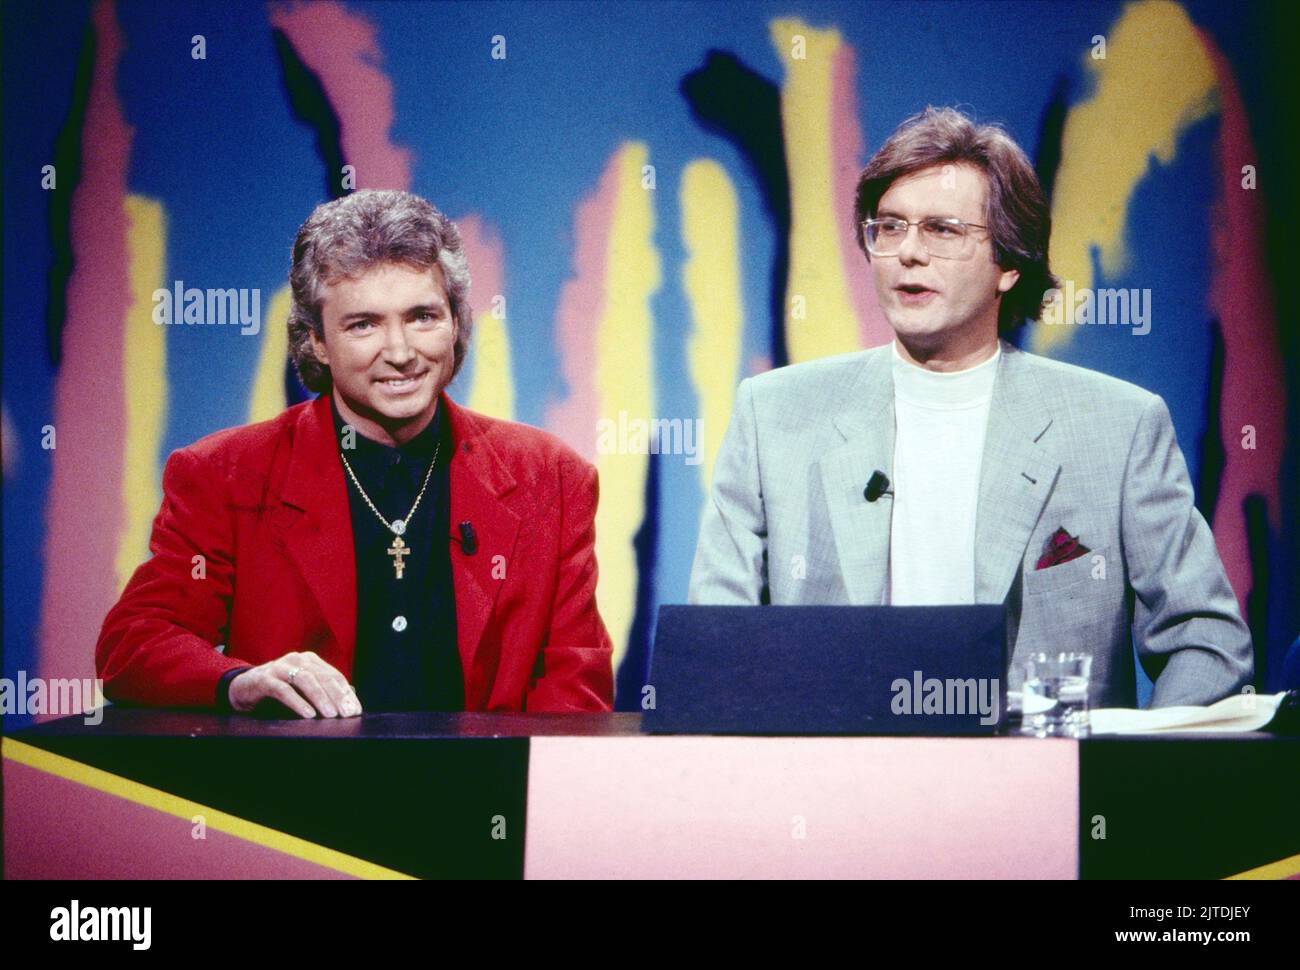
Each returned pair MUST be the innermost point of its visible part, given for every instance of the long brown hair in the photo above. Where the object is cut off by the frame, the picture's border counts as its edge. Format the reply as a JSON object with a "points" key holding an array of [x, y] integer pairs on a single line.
{"points": [[1018, 217]]}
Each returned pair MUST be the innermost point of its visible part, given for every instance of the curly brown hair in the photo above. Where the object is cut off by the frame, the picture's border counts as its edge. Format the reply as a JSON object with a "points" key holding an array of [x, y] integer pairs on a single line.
{"points": [[344, 238]]}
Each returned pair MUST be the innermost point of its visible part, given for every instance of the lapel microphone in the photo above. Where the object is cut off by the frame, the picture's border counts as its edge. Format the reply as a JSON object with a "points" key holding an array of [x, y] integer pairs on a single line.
{"points": [[468, 541], [877, 486]]}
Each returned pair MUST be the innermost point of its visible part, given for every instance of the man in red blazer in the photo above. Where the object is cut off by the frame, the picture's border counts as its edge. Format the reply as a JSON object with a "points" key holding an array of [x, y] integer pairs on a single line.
{"points": [[379, 546]]}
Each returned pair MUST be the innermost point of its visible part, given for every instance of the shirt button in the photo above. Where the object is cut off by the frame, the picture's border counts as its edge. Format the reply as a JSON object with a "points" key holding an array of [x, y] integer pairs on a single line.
{"points": [[399, 623]]}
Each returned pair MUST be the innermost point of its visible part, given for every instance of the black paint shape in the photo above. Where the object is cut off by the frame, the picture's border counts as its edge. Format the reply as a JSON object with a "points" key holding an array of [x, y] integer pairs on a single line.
{"points": [[1255, 510], [1047, 162], [730, 99], [633, 673], [309, 104], [1214, 457], [67, 168], [1051, 134], [1214, 461]]}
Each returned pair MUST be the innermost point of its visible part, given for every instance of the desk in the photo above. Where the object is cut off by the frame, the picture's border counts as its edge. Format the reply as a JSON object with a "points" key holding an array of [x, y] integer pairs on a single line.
{"points": [[161, 794]]}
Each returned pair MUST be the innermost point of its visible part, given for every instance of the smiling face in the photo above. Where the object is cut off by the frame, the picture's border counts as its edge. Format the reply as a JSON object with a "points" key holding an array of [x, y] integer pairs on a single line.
{"points": [[943, 311], [389, 342]]}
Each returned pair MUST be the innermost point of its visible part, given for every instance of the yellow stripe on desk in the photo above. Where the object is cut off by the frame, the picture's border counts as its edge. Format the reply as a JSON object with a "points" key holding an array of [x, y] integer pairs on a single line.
{"points": [[161, 801], [1282, 869]]}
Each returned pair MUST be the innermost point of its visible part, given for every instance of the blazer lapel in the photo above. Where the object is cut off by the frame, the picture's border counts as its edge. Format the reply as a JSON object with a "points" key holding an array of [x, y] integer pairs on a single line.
{"points": [[479, 480], [1017, 474], [314, 523], [861, 528]]}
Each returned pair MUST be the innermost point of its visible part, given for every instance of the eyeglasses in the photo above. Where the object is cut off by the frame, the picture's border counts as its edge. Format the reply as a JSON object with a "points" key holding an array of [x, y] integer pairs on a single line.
{"points": [[943, 238]]}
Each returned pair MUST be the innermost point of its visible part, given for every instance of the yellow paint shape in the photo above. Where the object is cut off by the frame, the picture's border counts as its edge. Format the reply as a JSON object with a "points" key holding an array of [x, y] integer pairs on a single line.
{"points": [[826, 322], [711, 280], [83, 774], [493, 390], [1155, 80], [624, 376], [267, 397], [144, 378]]}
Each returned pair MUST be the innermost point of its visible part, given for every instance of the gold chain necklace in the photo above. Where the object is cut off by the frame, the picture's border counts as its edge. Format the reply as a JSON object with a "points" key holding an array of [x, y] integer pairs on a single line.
{"points": [[397, 527]]}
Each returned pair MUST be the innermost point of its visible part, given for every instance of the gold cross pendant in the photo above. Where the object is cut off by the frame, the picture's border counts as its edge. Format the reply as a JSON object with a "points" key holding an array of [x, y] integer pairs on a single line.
{"points": [[397, 550]]}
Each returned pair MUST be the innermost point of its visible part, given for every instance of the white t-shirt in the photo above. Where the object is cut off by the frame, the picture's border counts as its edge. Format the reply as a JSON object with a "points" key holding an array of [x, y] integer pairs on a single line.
{"points": [[940, 420]]}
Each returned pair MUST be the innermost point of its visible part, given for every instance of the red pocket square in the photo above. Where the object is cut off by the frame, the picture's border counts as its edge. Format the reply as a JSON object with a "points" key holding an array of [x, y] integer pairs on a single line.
{"points": [[1062, 547]]}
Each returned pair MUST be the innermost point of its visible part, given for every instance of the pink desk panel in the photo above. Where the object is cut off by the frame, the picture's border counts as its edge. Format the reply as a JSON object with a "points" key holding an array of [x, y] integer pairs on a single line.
{"points": [[706, 807]]}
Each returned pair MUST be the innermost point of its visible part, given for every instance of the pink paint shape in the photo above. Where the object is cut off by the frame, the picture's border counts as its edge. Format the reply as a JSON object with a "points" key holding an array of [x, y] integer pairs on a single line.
{"points": [[84, 506], [486, 262], [55, 828], [846, 159], [581, 308], [881, 808], [1241, 298], [342, 49]]}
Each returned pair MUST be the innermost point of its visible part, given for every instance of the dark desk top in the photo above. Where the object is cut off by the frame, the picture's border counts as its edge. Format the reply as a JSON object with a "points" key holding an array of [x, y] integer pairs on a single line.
{"points": [[172, 723], [158, 723]]}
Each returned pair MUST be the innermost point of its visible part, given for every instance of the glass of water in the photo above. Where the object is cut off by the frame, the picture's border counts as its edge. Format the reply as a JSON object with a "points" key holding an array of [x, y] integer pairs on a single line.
{"points": [[1054, 702]]}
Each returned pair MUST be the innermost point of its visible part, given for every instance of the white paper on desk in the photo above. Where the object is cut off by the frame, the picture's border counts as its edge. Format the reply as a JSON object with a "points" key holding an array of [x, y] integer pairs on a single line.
{"points": [[1240, 712]]}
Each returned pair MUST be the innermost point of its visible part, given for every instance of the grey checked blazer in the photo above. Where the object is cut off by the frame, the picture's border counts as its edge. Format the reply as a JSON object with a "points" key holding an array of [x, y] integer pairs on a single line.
{"points": [[787, 523]]}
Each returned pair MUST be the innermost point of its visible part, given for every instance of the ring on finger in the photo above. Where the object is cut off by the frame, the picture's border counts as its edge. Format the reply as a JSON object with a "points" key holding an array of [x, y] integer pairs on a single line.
{"points": [[294, 673]]}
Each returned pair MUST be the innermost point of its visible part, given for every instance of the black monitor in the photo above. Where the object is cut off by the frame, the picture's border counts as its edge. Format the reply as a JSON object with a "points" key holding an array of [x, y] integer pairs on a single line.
{"points": [[921, 670]]}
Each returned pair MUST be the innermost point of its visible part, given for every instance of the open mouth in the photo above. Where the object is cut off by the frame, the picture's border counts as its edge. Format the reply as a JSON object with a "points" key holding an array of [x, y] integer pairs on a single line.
{"points": [[911, 294]]}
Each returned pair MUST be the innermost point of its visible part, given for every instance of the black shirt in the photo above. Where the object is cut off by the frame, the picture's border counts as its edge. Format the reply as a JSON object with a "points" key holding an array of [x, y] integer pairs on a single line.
{"points": [[406, 654]]}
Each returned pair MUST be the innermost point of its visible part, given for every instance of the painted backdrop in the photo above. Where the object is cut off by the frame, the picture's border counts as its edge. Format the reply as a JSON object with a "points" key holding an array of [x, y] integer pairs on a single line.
{"points": [[656, 198]]}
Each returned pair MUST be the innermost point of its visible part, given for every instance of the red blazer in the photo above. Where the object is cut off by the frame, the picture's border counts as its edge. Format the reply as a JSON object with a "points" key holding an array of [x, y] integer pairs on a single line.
{"points": [[266, 505]]}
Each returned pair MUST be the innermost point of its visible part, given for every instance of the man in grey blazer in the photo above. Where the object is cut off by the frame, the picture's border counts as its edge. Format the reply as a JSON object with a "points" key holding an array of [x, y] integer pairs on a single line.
{"points": [[950, 467]]}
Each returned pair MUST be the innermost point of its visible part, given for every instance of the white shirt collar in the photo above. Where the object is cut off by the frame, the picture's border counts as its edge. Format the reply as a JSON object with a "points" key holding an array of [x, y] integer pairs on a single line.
{"points": [[944, 390]]}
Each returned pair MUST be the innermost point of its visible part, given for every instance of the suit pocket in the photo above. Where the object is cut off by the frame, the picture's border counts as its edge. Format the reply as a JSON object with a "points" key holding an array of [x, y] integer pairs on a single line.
{"points": [[1067, 574]]}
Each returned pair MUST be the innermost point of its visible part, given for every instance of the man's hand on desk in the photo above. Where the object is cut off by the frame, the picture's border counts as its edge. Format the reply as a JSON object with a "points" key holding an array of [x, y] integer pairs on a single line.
{"points": [[302, 682]]}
